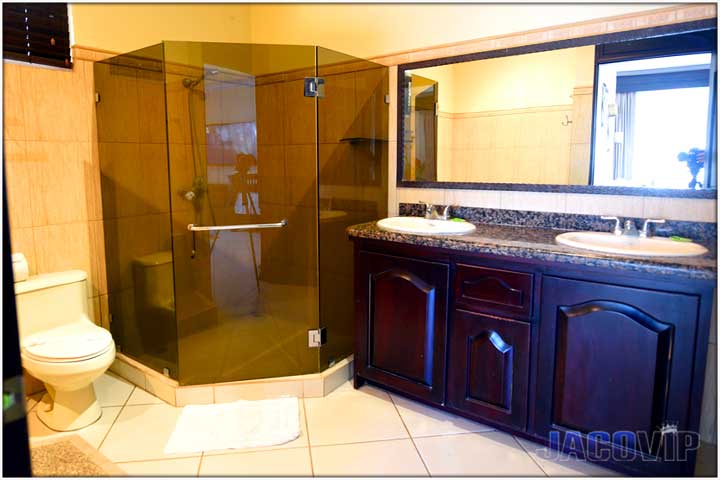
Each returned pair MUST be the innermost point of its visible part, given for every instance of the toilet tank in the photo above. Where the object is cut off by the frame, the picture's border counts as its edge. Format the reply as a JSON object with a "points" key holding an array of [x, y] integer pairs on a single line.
{"points": [[51, 300], [153, 281]]}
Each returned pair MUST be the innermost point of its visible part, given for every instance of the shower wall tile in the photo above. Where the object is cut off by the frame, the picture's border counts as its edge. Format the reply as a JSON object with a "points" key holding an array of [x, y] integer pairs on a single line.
{"points": [[299, 115], [270, 112], [117, 112], [336, 120]]}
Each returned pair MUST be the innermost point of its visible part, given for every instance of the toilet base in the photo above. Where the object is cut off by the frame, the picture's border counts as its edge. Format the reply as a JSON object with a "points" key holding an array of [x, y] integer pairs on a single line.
{"points": [[65, 411]]}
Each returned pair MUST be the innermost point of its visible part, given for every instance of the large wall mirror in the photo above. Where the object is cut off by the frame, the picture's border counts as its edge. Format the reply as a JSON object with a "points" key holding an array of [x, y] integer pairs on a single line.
{"points": [[630, 113]]}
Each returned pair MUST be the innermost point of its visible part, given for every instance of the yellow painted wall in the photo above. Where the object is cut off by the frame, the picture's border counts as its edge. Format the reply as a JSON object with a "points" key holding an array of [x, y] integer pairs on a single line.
{"points": [[363, 30], [125, 27], [376, 29]]}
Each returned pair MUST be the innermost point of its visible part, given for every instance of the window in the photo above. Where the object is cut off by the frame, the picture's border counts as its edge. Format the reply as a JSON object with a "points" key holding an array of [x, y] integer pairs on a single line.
{"points": [[37, 33]]}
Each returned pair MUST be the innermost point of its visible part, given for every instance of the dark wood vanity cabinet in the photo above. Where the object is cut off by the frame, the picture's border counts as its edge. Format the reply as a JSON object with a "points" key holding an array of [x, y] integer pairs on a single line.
{"points": [[488, 367], [614, 358], [401, 338], [547, 351]]}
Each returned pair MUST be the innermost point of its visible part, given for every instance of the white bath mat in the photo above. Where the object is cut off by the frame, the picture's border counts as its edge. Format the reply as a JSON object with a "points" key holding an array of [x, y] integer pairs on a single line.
{"points": [[241, 424]]}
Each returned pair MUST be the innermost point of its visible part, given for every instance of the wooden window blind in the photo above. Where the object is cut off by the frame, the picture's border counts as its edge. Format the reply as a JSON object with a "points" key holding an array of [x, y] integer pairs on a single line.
{"points": [[37, 33]]}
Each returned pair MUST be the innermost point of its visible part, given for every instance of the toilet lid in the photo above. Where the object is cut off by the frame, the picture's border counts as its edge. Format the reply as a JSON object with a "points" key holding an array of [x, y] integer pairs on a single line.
{"points": [[67, 344]]}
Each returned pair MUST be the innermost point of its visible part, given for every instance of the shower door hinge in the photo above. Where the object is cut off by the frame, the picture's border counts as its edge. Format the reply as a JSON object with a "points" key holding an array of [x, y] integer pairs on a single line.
{"points": [[97, 97], [387, 98], [317, 338], [315, 87]]}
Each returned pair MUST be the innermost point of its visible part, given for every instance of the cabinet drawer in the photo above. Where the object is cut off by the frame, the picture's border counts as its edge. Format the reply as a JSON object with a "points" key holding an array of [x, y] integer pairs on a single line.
{"points": [[490, 290]]}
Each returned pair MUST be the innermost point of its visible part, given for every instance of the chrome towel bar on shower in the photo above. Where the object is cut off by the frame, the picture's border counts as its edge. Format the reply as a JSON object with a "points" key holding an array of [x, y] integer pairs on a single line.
{"points": [[251, 226]]}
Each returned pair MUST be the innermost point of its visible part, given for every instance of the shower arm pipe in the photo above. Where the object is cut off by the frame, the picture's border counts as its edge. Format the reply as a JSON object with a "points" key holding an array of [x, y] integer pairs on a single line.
{"points": [[252, 226]]}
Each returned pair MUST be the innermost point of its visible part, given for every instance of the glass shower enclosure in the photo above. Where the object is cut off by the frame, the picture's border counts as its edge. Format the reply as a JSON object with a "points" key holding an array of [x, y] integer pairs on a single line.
{"points": [[229, 173]]}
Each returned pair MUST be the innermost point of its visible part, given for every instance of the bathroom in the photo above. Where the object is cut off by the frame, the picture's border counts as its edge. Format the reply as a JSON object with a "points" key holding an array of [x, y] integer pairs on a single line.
{"points": [[297, 128]]}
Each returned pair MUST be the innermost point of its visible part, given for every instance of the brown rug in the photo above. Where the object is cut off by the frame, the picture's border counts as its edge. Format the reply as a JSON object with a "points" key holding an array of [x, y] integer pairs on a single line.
{"points": [[70, 456]]}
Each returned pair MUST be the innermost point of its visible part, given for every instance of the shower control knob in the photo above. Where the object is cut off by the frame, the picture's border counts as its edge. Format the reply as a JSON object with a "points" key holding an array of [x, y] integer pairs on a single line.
{"points": [[189, 195]]}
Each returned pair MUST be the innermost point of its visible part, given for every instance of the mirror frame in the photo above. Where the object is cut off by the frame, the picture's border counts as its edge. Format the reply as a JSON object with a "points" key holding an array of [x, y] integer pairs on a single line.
{"points": [[638, 34]]}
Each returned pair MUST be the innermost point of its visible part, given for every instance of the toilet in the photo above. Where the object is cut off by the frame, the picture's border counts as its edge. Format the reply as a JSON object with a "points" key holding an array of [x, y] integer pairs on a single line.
{"points": [[62, 347]]}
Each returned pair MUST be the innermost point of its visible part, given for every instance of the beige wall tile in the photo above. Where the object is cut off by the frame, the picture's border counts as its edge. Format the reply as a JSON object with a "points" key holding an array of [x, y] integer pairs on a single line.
{"points": [[104, 312], [473, 198], [194, 396], [58, 171], [22, 241], [63, 247], [258, 391], [97, 257], [435, 196], [95, 314], [57, 103], [93, 194], [535, 201], [20, 184], [616, 205], [696, 210], [13, 114]]}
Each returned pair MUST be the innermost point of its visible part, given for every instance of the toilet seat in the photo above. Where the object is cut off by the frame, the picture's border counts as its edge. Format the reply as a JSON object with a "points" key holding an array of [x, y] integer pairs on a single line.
{"points": [[71, 343]]}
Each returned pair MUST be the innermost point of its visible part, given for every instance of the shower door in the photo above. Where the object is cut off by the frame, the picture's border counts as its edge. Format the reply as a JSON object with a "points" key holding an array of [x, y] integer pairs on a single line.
{"points": [[243, 175]]}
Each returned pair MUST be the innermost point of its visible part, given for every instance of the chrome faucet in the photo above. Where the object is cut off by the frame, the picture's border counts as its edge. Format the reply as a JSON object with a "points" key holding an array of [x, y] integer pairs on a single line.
{"points": [[616, 229], [630, 229], [432, 214], [645, 232]]}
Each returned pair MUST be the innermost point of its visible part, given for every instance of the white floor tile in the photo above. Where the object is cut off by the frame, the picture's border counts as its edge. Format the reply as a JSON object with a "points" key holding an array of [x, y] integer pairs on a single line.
{"points": [[557, 464], [424, 421], [141, 397], [112, 391], [93, 434], [140, 433], [348, 415], [387, 458], [175, 467], [301, 441], [476, 454], [287, 462]]}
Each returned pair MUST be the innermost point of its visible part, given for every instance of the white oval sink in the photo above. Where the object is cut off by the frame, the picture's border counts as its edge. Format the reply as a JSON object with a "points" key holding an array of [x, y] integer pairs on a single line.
{"points": [[425, 226], [634, 246]]}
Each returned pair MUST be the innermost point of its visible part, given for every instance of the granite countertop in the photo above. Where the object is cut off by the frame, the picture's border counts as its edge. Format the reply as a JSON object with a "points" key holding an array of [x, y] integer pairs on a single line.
{"points": [[539, 244]]}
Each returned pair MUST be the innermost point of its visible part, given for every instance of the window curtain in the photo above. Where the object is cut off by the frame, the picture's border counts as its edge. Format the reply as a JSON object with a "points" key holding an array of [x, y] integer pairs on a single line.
{"points": [[625, 124]]}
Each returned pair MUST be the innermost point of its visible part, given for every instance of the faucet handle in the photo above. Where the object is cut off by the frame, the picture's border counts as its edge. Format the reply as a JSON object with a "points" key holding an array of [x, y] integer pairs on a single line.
{"points": [[616, 229], [644, 232], [446, 211], [429, 208]]}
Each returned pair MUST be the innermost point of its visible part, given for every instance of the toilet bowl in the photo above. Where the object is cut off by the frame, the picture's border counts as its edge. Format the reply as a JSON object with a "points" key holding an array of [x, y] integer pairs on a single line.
{"points": [[62, 347]]}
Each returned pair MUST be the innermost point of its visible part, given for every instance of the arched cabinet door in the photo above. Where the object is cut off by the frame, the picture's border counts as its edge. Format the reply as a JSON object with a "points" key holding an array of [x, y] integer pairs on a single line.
{"points": [[402, 323], [614, 359], [488, 367]]}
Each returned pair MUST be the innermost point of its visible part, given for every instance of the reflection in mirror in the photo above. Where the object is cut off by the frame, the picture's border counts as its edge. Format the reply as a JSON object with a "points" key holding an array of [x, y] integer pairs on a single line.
{"points": [[652, 121], [517, 119], [625, 113]]}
